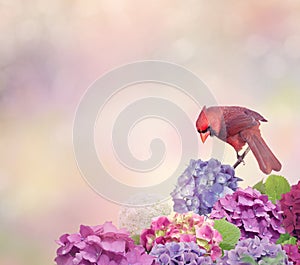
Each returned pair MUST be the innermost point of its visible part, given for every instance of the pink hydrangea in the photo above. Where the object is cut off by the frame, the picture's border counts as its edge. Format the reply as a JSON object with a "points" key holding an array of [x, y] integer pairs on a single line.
{"points": [[187, 227], [293, 252], [101, 245], [253, 213], [290, 205]]}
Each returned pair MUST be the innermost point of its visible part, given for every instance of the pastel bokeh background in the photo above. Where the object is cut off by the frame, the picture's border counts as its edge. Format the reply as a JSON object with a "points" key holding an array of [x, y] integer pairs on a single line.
{"points": [[247, 52]]}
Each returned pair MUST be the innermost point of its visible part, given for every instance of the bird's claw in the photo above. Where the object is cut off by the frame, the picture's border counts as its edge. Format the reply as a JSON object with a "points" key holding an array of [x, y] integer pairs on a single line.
{"points": [[240, 158]]}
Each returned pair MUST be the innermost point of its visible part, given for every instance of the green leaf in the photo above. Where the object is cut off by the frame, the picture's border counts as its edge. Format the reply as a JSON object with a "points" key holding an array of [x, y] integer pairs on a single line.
{"points": [[279, 259], [249, 260], [286, 239], [230, 233], [260, 186], [283, 238], [136, 239], [276, 186], [291, 241]]}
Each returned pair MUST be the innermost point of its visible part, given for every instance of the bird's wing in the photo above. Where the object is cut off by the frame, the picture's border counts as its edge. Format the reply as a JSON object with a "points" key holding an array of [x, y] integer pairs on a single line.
{"points": [[237, 121]]}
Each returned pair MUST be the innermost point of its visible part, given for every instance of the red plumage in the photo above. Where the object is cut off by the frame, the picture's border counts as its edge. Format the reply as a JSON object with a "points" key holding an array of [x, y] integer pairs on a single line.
{"points": [[238, 126]]}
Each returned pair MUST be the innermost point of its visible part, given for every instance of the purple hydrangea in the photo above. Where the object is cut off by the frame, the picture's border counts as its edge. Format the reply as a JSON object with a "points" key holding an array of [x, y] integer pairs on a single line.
{"points": [[101, 245], [180, 253], [255, 251], [201, 185], [253, 213]]}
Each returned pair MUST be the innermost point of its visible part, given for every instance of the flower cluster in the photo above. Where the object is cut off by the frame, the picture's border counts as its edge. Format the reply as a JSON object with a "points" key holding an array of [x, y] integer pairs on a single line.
{"points": [[180, 253], [252, 212], [293, 252], [201, 185], [102, 245], [290, 205], [255, 251], [188, 227], [213, 217]]}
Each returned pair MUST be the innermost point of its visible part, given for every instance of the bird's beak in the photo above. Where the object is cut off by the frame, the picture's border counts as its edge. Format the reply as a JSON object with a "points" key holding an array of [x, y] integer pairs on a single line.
{"points": [[204, 136]]}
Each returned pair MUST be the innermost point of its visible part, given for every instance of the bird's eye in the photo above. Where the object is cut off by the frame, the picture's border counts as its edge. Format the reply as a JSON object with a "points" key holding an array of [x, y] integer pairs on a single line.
{"points": [[204, 131]]}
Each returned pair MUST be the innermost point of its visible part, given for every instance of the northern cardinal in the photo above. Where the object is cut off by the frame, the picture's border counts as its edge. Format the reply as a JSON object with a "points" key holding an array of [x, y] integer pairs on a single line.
{"points": [[238, 126]]}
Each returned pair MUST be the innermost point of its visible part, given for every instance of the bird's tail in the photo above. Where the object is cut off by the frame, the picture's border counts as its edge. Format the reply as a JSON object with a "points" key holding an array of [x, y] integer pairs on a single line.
{"points": [[266, 159]]}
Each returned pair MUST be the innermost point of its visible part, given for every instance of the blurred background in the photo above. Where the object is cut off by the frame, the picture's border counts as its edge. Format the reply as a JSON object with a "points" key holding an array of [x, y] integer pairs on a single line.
{"points": [[246, 52]]}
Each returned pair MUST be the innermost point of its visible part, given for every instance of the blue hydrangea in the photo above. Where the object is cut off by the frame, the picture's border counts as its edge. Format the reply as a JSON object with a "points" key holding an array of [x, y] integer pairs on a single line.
{"points": [[202, 184], [255, 251], [180, 253]]}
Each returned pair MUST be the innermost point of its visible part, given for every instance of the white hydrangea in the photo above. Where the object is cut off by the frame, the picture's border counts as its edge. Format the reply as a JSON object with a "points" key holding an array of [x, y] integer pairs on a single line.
{"points": [[135, 219]]}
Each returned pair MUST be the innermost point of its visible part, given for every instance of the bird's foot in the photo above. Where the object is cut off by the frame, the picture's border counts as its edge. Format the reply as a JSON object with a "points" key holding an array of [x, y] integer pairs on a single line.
{"points": [[240, 158]]}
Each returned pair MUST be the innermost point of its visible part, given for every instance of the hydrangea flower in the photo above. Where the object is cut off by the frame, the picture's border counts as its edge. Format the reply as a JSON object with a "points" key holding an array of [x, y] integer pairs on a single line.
{"points": [[101, 245], [290, 205], [253, 213], [135, 219], [201, 185], [188, 227], [255, 251], [180, 253], [293, 252]]}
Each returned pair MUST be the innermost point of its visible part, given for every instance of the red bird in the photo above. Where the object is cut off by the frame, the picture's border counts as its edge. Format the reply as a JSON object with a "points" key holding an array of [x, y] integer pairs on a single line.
{"points": [[238, 126]]}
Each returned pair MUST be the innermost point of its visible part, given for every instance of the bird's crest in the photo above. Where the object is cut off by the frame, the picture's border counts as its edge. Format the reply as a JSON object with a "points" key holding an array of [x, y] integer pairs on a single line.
{"points": [[202, 122]]}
